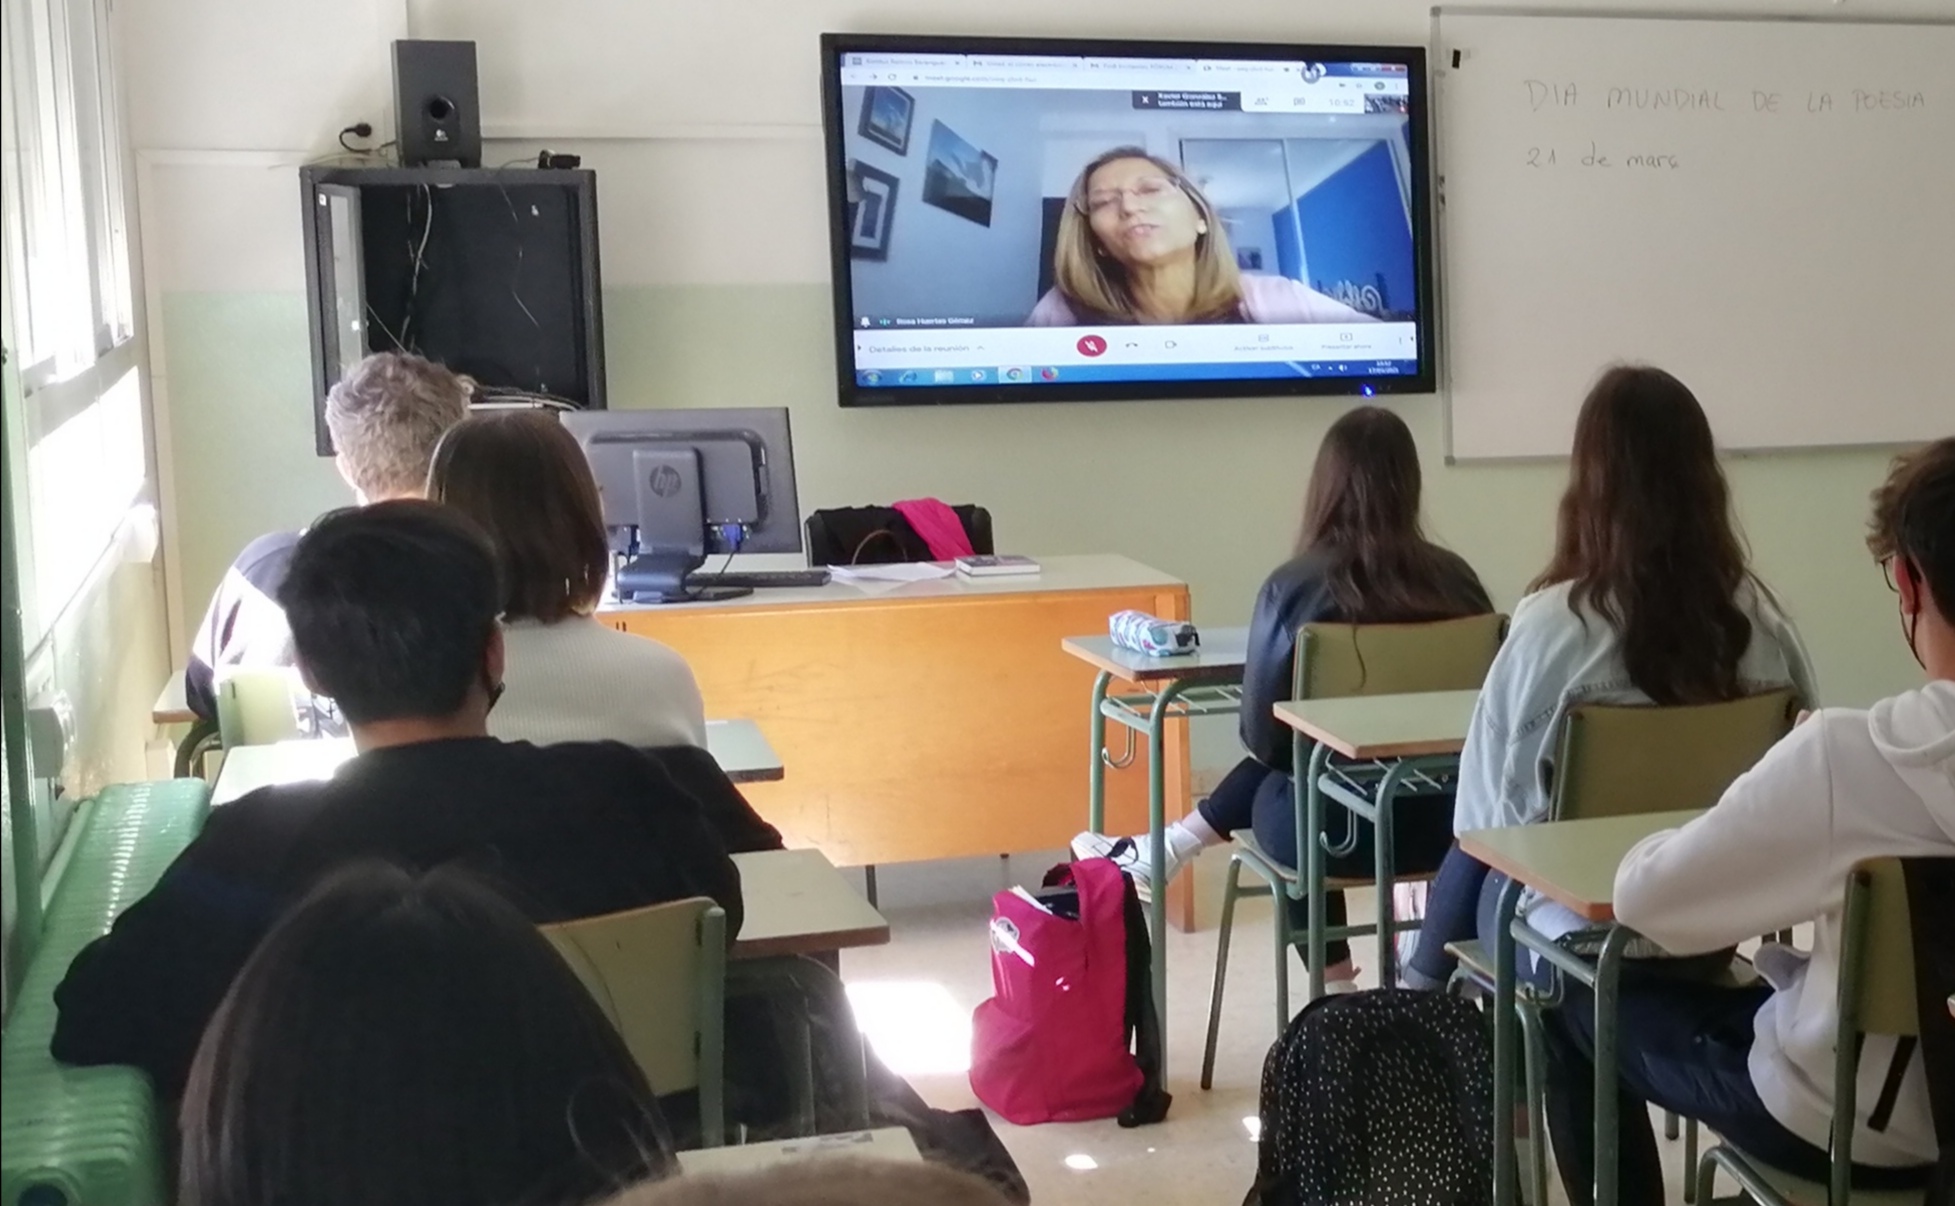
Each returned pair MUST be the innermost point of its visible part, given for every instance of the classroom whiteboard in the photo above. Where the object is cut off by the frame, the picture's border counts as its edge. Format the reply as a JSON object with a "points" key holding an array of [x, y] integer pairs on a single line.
{"points": [[1764, 207]]}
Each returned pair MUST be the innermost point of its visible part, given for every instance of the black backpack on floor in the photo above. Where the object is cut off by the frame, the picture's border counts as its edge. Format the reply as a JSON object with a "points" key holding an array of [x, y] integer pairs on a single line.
{"points": [[1380, 1098]]}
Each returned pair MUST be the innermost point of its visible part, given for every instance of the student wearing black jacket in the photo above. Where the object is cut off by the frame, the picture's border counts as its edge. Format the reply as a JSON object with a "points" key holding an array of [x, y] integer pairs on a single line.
{"points": [[393, 611], [1362, 558]]}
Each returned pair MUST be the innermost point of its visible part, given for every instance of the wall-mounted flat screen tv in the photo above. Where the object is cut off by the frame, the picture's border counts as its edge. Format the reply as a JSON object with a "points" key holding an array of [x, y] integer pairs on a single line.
{"points": [[1035, 220]]}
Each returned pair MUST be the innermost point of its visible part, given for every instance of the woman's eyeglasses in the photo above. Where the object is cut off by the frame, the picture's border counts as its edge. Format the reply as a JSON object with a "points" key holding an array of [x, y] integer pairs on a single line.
{"points": [[1145, 191], [1887, 571]]}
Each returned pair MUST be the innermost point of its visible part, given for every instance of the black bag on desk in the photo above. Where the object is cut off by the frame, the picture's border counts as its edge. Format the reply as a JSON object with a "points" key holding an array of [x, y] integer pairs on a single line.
{"points": [[881, 536], [1381, 1098]]}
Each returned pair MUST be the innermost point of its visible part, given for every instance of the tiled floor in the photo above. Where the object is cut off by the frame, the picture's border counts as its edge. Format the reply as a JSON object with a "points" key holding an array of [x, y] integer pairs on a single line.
{"points": [[914, 997]]}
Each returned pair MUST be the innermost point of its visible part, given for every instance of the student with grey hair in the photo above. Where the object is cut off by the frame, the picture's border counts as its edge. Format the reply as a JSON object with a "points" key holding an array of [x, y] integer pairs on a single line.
{"points": [[385, 416]]}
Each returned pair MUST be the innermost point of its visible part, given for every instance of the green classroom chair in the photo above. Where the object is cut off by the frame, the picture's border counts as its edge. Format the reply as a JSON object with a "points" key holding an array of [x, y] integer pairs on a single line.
{"points": [[659, 974], [1876, 996], [1335, 661], [1625, 759], [1621, 760], [258, 706]]}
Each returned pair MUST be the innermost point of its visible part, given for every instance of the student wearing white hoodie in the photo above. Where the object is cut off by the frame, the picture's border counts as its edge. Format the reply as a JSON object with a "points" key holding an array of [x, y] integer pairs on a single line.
{"points": [[1756, 1063]]}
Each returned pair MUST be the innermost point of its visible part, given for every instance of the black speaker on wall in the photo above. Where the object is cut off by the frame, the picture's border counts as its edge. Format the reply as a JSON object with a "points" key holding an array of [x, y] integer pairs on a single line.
{"points": [[435, 104]]}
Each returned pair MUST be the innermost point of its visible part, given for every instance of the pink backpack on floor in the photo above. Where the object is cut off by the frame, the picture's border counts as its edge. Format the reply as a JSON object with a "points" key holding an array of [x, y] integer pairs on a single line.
{"points": [[1071, 1033]]}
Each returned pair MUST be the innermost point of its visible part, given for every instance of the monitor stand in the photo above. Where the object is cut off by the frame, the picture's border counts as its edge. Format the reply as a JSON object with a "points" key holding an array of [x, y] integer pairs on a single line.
{"points": [[661, 578], [670, 540]]}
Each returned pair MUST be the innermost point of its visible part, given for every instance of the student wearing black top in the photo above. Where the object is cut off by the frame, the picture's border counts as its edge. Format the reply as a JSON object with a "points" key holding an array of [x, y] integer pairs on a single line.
{"points": [[1362, 558], [393, 612]]}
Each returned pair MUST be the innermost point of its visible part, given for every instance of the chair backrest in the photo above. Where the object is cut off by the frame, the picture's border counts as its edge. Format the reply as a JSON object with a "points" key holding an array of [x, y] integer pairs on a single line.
{"points": [[1876, 992], [1336, 660], [260, 705], [977, 525], [659, 974], [1877, 959], [1620, 760]]}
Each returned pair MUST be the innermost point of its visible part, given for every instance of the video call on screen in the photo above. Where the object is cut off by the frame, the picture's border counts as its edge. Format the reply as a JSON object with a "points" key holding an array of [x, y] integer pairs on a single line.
{"points": [[982, 250]]}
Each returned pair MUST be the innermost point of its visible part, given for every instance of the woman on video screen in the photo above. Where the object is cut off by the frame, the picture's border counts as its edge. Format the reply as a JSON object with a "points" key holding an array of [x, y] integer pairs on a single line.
{"points": [[1138, 243]]}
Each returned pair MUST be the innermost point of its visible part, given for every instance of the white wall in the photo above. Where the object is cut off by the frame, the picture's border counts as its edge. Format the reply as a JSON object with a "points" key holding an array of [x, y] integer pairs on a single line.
{"points": [[712, 105], [702, 119]]}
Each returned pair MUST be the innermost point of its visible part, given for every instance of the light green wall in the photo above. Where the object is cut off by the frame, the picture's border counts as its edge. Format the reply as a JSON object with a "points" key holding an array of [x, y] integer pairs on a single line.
{"points": [[1205, 490], [239, 373]]}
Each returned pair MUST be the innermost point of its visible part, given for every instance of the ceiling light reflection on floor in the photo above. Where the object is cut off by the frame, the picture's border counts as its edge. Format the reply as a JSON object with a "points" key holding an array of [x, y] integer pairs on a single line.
{"points": [[915, 1027], [1079, 1162], [1254, 1126]]}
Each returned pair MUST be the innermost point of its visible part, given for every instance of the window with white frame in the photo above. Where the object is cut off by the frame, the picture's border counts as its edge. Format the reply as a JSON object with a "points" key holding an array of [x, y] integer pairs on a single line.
{"points": [[77, 414]]}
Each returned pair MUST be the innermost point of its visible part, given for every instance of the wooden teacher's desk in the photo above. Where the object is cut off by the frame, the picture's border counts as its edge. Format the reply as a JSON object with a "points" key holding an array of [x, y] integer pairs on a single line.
{"points": [[924, 720]]}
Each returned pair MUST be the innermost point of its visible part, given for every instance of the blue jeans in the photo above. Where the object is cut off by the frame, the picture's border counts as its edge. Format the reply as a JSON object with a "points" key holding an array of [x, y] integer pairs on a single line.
{"points": [[1685, 1046], [1257, 798], [1452, 915]]}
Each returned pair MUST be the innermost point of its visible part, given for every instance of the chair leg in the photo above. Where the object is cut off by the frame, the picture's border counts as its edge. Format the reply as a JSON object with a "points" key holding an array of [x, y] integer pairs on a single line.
{"points": [[1536, 1063], [1230, 889], [1671, 1125], [1690, 1163], [1280, 926], [869, 885], [1704, 1177]]}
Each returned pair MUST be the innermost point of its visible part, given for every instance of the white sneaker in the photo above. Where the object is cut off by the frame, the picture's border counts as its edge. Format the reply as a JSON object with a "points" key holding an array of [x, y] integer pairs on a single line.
{"points": [[1128, 854]]}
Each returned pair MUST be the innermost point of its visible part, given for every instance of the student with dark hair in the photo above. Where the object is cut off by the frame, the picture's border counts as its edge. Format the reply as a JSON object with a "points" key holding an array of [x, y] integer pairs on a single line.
{"points": [[1647, 599], [522, 477], [1362, 558], [385, 417], [393, 609], [404, 1039], [1755, 1063]]}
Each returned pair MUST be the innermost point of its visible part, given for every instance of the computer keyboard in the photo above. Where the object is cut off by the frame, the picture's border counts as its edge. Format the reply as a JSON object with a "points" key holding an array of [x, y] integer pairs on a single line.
{"points": [[761, 579]]}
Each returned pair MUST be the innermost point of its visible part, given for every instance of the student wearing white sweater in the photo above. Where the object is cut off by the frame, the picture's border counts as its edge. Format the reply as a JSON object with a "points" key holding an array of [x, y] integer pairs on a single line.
{"points": [[1756, 1063], [568, 677]]}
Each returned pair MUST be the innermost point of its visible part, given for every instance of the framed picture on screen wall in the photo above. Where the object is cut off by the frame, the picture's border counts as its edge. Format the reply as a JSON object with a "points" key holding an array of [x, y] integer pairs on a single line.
{"points": [[872, 207], [886, 117], [958, 178]]}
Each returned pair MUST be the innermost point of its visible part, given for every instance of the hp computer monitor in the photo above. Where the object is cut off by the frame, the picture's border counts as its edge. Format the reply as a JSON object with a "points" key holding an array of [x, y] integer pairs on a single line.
{"points": [[1018, 220], [681, 485]]}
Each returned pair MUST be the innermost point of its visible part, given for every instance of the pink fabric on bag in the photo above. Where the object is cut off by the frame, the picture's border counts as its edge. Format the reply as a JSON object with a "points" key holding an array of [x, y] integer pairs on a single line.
{"points": [[938, 525], [1051, 1044]]}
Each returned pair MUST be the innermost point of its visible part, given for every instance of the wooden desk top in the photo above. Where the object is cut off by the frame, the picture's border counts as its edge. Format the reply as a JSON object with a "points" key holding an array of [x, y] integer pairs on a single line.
{"points": [[891, 1143], [798, 903], [738, 746], [1057, 575], [170, 706], [1572, 863], [1223, 653], [1385, 726]]}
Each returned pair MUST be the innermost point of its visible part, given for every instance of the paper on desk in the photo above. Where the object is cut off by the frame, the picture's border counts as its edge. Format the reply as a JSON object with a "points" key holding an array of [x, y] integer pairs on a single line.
{"points": [[899, 571]]}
